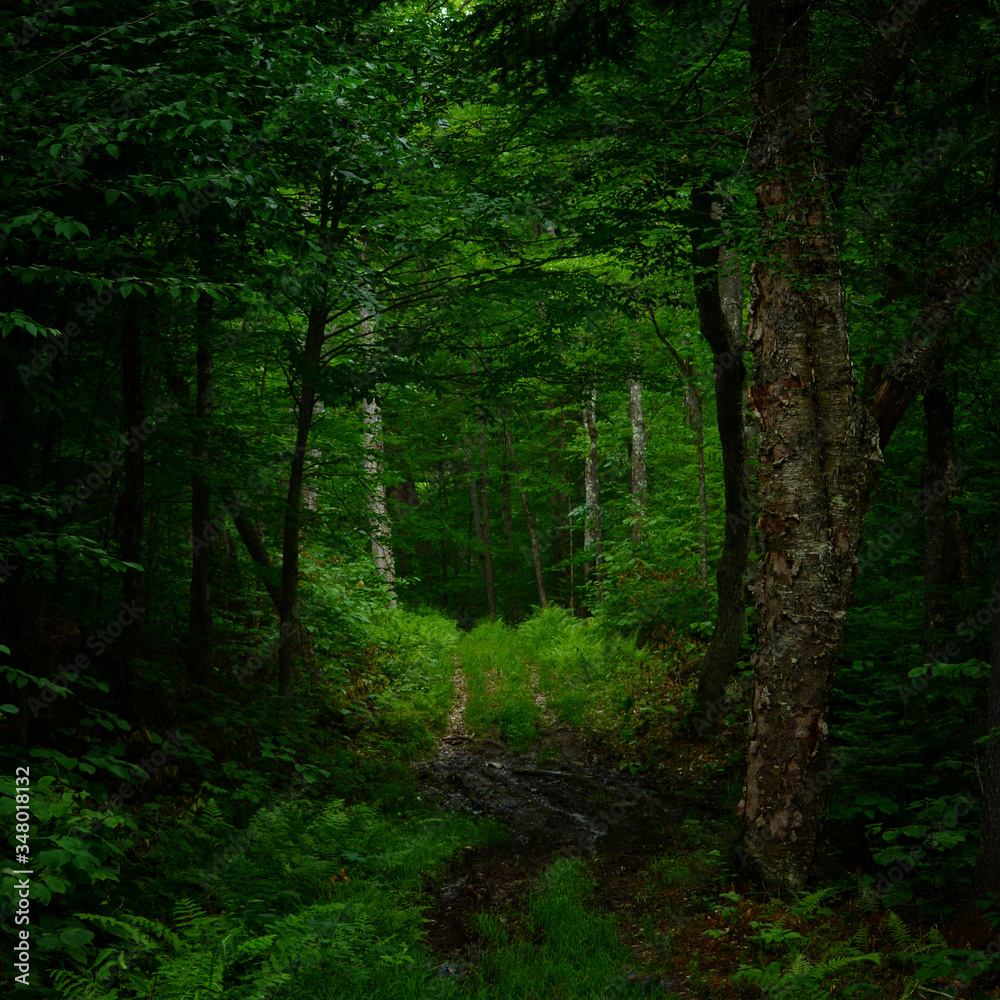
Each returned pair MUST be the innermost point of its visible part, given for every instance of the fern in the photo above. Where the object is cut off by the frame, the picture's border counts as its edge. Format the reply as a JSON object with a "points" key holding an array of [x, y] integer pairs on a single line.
{"points": [[146, 934], [73, 985], [810, 904], [859, 940], [903, 941]]}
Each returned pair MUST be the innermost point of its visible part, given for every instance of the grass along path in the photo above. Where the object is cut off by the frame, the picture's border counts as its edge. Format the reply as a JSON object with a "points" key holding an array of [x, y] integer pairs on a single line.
{"points": [[617, 884]]}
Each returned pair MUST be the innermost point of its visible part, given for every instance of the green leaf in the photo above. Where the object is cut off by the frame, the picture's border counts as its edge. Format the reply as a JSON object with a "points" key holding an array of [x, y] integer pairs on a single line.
{"points": [[76, 937], [54, 882]]}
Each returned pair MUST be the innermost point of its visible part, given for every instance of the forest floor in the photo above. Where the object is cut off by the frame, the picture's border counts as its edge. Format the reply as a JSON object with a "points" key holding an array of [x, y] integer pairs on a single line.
{"points": [[565, 796], [653, 839]]}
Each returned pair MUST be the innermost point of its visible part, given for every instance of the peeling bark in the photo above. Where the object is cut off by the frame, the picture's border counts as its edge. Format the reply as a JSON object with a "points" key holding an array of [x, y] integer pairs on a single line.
{"points": [[818, 454]]}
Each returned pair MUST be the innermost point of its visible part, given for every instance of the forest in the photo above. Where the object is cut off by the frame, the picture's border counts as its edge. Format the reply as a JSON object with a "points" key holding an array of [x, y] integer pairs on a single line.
{"points": [[499, 499]]}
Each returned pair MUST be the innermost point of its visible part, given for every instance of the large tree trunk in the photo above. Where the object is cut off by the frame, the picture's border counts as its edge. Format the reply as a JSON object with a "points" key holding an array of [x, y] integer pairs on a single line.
{"points": [[817, 453], [536, 551], [820, 452], [720, 310], [288, 610], [986, 878], [947, 563], [637, 461], [200, 609], [130, 505], [593, 540]]}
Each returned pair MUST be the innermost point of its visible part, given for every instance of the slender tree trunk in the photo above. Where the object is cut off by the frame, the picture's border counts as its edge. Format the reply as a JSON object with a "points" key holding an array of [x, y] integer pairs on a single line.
{"points": [[536, 551], [720, 308], [270, 576], [378, 511], [986, 878], [947, 564], [693, 413], [593, 537], [637, 469], [473, 495], [484, 480], [288, 612], [695, 410], [130, 506], [508, 543], [200, 608], [561, 531], [482, 513]]}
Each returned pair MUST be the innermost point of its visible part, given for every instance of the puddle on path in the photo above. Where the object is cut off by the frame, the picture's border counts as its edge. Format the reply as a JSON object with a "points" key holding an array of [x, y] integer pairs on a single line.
{"points": [[576, 803]]}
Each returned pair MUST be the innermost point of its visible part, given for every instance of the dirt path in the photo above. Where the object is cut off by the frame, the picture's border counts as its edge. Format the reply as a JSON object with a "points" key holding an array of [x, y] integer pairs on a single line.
{"points": [[561, 797]]}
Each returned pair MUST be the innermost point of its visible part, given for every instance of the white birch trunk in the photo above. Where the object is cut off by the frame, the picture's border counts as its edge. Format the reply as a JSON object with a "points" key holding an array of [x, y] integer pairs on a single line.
{"points": [[592, 537], [637, 475], [373, 448]]}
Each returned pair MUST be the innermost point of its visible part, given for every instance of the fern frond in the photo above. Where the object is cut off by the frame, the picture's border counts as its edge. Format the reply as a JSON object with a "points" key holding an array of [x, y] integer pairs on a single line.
{"points": [[899, 934], [807, 905], [859, 939]]}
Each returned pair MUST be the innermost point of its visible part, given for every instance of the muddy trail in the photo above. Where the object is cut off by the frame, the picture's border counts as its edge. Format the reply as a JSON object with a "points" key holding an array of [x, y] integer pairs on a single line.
{"points": [[575, 803]]}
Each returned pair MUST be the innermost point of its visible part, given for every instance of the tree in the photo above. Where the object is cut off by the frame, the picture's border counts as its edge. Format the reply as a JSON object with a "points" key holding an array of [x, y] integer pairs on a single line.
{"points": [[719, 294], [820, 448], [593, 535], [986, 877]]}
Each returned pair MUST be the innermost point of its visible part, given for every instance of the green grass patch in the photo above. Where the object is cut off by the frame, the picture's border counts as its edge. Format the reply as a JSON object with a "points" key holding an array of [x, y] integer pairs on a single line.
{"points": [[500, 698], [563, 948]]}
